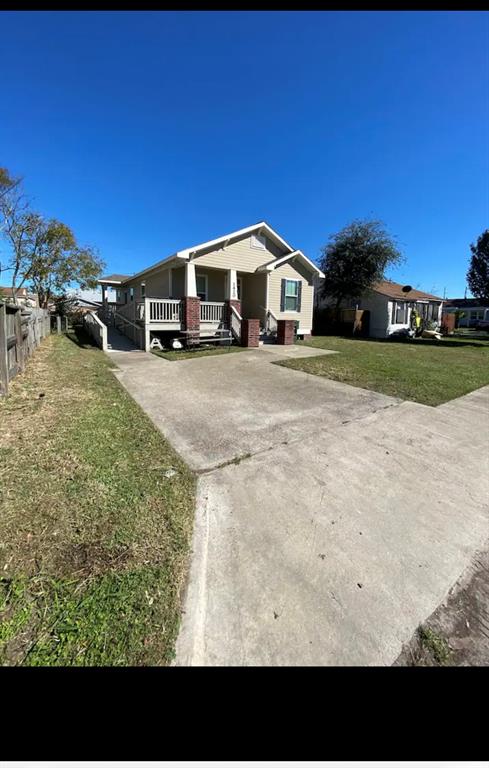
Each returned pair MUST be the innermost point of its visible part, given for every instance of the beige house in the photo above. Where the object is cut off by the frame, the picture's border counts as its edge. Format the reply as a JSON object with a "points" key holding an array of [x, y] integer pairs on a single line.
{"points": [[216, 287]]}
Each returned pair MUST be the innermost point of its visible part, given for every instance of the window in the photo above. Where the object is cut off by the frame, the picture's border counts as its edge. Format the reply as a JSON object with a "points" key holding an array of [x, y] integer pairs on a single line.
{"points": [[399, 312], [201, 284], [118, 296], [433, 312], [125, 297], [131, 294], [238, 281], [477, 314], [291, 296], [143, 290], [259, 241]]}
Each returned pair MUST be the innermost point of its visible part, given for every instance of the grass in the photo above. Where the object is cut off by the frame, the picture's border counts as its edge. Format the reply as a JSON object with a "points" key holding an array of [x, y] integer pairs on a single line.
{"points": [[94, 539], [185, 354], [435, 645], [423, 370]]}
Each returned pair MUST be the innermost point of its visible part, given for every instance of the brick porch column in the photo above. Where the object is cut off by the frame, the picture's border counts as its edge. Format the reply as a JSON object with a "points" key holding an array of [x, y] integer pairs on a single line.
{"points": [[191, 314], [227, 312], [285, 332], [250, 333]]}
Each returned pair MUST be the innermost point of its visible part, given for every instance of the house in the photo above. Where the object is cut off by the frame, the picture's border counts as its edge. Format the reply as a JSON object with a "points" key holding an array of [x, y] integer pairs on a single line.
{"points": [[250, 278], [474, 311], [390, 305], [23, 296]]}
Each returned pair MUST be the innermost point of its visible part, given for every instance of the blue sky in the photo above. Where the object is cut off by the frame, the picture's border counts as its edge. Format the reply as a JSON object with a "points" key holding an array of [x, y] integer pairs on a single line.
{"points": [[151, 131]]}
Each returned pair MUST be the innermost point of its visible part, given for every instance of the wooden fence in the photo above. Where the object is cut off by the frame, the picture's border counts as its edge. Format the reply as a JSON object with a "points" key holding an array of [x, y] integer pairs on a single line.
{"points": [[21, 331]]}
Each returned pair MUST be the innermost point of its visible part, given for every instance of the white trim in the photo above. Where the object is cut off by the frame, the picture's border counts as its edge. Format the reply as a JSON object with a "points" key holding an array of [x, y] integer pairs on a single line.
{"points": [[294, 255], [238, 233]]}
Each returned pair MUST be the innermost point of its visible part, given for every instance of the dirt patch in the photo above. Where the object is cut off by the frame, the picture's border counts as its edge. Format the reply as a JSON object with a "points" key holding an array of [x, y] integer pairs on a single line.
{"points": [[91, 559], [457, 633]]}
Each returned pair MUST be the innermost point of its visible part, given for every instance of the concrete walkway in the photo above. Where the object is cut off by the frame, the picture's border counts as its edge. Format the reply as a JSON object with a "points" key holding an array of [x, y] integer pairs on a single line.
{"points": [[330, 520]]}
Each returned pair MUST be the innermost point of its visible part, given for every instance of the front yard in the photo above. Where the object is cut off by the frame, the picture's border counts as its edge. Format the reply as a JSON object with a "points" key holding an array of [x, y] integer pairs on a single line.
{"points": [[426, 371], [96, 516]]}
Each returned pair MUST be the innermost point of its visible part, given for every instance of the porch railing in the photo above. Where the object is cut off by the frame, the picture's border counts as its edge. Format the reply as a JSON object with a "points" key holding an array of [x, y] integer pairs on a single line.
{"points": [[160, 310], [236, 324], [212, 312]]}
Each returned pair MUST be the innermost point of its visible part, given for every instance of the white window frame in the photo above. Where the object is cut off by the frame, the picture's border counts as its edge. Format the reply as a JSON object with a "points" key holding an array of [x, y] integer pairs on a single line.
{"points": [[206, 282], [290, 295], [259, 241], [395, 306]]}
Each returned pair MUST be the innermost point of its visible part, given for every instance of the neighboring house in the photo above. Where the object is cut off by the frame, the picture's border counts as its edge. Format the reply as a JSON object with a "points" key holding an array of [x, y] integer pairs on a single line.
{"points": [[390, 306], [252, 273], [474, 311], [23, 296]]}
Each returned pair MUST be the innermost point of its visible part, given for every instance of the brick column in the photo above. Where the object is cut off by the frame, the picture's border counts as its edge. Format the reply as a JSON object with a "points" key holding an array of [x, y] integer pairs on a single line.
{"points": [[250, 333], [231, 303], [191, 315], [285, 331]]}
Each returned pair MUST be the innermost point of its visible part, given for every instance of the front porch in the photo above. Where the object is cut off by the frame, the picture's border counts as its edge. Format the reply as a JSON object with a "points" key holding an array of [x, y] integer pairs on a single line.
{"points": [[241, 314]]}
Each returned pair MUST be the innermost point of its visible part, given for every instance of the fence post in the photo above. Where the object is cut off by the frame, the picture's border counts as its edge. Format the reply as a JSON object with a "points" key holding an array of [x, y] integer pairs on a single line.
{"points": [[3, 351], [19, 347]]}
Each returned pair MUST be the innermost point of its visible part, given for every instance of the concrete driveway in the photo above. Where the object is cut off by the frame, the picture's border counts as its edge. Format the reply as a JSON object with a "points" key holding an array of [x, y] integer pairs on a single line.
{"points": [[330, 520]]}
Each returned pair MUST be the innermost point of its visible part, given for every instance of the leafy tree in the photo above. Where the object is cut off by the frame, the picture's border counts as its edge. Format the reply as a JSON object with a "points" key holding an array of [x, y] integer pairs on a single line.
{"points": [[65, 304], [59, 261], [478, 274], [355, 258], [43, 254]]}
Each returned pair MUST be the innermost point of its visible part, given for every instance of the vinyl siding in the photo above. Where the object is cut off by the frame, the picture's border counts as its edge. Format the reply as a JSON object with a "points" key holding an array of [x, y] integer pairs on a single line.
{"points": [[254, 296], [240, 256], [216, 286], [157, 285], [292, 271], [178, 282]]}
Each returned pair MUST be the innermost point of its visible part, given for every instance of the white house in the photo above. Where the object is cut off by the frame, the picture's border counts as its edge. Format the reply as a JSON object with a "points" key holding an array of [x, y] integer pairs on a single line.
{"points": [[390, 306]]}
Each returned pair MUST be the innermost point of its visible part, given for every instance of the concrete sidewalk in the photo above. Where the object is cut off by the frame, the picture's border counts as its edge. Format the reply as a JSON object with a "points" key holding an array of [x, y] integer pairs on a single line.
{"points": [[345, 522]]}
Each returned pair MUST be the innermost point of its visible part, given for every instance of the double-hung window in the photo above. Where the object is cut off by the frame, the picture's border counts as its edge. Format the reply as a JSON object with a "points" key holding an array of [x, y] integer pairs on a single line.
{"points": [[143, 290], [291, 295]]}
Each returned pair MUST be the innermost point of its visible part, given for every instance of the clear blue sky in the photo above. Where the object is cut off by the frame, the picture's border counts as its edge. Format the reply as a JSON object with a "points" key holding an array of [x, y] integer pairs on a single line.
{"points": [[151, 131]]}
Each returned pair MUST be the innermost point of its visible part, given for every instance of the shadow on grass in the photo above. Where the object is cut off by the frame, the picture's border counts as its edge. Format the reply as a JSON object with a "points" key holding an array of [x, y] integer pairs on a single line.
{"points": [[79, 336], [453, 343]]}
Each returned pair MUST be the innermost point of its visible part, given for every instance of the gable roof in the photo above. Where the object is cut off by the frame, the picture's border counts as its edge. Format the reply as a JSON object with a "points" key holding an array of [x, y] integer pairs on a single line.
{"points": [[271, 265], [114, 279], [260, 227], [394, 291]]}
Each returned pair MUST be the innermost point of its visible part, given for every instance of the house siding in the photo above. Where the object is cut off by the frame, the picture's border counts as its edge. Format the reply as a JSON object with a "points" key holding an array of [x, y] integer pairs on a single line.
{"points": [[240, 256], [216, 283], [292, 271]]}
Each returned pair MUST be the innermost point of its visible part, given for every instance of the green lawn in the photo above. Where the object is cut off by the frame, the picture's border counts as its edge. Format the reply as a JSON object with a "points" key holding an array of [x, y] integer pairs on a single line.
{"points": [[186, 354], [94, 538], [422, 370]]}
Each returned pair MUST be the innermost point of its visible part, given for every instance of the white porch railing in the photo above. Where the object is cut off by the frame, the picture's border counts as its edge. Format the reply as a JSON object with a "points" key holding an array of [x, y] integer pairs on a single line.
{"points": [[212, 312], [236, 323], [160, 310], [97, 329], [272, 322]]}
